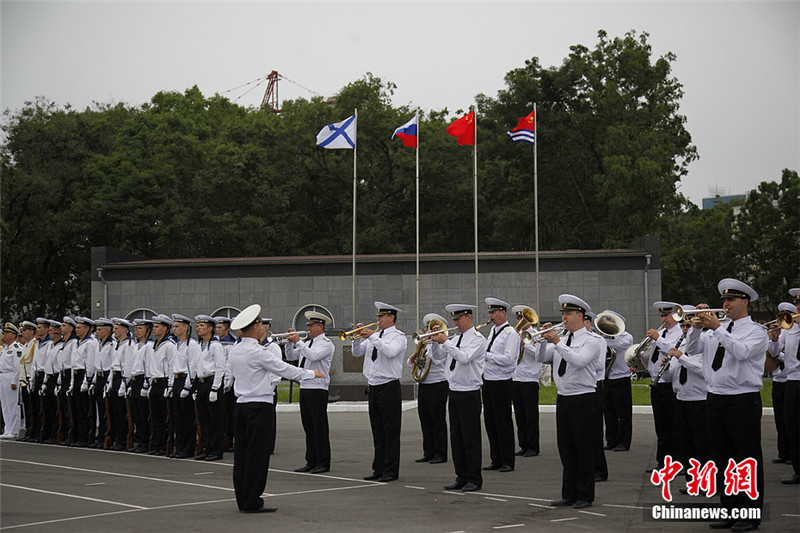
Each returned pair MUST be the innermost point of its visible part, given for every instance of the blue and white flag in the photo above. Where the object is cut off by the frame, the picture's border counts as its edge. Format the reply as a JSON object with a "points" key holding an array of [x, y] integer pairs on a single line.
{"points": [[339, 135]]}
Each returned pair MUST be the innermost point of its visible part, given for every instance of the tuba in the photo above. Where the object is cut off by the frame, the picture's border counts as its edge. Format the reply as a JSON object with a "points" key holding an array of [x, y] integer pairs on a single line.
{"points": [[422, 363]]}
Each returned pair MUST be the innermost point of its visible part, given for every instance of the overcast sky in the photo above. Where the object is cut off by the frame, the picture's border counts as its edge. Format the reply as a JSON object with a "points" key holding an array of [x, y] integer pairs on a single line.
{"points": [[739, 62]]}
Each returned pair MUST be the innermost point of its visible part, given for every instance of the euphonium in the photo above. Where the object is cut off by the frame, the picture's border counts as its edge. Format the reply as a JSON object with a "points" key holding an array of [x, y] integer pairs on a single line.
{"points": [[422, 363]]}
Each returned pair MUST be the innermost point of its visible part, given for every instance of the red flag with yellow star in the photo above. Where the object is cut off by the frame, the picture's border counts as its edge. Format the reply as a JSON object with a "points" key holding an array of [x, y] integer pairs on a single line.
{"points": [[525, 130], [463, 129]]}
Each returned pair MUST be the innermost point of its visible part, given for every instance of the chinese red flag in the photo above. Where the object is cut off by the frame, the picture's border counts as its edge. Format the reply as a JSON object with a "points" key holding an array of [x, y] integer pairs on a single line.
{"points": [[463, 129]]}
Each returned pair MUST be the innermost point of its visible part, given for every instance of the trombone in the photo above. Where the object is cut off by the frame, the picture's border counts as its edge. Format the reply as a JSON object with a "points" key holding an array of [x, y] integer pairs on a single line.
{"points": [[354, 333], [785, 320], [679, 312]]}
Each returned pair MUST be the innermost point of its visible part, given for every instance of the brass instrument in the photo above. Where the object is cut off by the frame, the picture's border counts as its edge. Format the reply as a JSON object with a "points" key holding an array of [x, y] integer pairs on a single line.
{"points": [[528, 318], [678, 313], [281, 337], [645, 344], [560, 329], [785, 320], [421, 364], [354, 333], [419, 336], [609, 324]]}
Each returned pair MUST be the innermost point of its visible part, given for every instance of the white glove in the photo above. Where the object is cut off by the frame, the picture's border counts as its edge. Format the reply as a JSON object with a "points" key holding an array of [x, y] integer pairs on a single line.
{"points": [[144, 393], [212, 396], [44, 388], [69, 391], [107, 388], [185, 392], [58, 389], [91, 389], [122, 389], [84, 386], [194, 396], [168, 392], [228, 387], [58, 379]]}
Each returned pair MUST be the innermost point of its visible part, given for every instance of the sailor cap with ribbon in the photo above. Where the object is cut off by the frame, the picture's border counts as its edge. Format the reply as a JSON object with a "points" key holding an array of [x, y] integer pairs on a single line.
{"points": [[247, 317], [495, 304], [733, 288], [314, 317], [386, 309], [570, 302], [664, 308], [458, 310]]}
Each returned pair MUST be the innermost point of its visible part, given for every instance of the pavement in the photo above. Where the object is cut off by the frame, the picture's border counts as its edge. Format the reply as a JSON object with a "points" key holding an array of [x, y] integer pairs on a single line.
{"points": [[47, 488]]}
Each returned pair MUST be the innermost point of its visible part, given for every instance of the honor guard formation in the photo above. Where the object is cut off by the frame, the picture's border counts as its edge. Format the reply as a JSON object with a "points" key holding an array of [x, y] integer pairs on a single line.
{"points": [[199, 388]]}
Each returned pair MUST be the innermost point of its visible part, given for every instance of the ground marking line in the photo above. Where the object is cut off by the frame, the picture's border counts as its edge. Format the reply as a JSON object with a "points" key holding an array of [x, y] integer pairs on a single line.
{"points": [[95, 484], [591, 513], [202, 473], [413, 487], [72, 496], [319, 490], [508, 526], [624, 506], [495, 499], [511, 496], [121, 475], [565, 519], [542, 506]]}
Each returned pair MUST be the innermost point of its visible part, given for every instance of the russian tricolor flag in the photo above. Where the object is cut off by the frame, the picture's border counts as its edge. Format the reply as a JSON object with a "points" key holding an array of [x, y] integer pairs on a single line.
{"points": [[408, 132]]}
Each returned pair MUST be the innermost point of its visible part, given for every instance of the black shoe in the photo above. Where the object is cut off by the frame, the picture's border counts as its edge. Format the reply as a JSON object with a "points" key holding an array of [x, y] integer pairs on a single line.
{"points": [[470, 487], [373, 477], [304, 468], [609, 446], [118, 448], [422, 460], [620, 448], [181, 455], [49, 441], [794, 480], [140, 450], [213, 457], [580, 504], [386, 479], [320, 470], [562, 503], [779, 460], [438, 460], [740, 526], [520, 453], [491, 467], [455, 486], [152, 452], [531, 453], [598, 479], [160, 453], [201, 457], [506, 468], [724, 524]]}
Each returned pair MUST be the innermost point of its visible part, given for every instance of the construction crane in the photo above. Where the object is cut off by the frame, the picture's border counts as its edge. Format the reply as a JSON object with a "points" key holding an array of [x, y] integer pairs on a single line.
{"points": [[271, 94]]}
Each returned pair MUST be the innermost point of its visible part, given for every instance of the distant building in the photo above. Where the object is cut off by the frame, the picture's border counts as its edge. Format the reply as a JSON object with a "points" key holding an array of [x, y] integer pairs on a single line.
{"points": [[709, 203]]}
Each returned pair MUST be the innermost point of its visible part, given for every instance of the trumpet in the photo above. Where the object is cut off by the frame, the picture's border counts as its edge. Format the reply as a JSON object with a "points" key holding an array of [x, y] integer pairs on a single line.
{"points": [[558, 328], [785, 320], [282, 338], [678, 313], [354, 333], [417, 337]]}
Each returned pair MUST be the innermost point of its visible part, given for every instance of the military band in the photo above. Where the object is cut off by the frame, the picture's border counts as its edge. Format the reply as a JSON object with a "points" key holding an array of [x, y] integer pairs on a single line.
{"points": [[81, 382]]}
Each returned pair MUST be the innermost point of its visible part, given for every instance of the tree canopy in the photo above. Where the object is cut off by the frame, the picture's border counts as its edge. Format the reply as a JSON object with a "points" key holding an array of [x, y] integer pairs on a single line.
{"points": [[185, 175]]}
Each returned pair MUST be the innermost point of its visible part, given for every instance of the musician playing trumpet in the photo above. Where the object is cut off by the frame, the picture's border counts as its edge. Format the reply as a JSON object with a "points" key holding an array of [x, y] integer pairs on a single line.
{"points": [[432, 403], [662, 397]]}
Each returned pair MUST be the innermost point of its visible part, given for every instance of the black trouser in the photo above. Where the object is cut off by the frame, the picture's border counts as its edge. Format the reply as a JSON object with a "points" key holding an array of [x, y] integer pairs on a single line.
{"points": [[526, 413], [64, 418], [465, 435], [119, 421], [691, 433], [100, 402], [183, 418], [140, 413], [385, 415], [734, 432], [662, 400], [50, 425], [618, 411], [432, 411], [158, 413], [314, 416], [251, 452], [211, 417], [778, 400], [600, 465], [25, 397], [230, 406], [498, 422], [574, 434], [35, 429], [791, 412], [80, 407]]}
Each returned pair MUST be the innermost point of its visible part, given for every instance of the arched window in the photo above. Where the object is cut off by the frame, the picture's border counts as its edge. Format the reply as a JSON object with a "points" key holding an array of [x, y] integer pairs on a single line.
{"points": [[299, 320], [142, 312], [229, 312]]}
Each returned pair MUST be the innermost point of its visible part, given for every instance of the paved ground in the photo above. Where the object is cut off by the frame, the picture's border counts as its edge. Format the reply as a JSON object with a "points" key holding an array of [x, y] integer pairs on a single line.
{"points": [[47, 488]]}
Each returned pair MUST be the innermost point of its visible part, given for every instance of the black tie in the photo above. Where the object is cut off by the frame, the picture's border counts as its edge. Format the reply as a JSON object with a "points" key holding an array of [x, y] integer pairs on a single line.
{"points": [[562, 368], [656, 351], [375, 350], [683, 376], [494, 336], [717, 363], [458, 345], [303, 360]]}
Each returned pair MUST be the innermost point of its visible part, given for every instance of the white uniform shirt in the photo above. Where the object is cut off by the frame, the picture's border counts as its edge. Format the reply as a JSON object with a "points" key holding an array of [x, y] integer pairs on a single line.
{"points": [[83, 356], [211, 362], [501, 358], [581, 356], [51, 357], [317, 356], [121, 358], [186, 356], [161, 357], [529, 369], [254, 365], [469, 356], [788, 342], [743, 363], [105, 353], [388, 365], [9, 362], [65, 354], [695, 388], [26, 370], [664, 343], [620, 343], [140, 357]]}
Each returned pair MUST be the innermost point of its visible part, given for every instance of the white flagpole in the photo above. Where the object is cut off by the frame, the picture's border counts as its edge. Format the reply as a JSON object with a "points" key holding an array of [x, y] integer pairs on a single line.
{"points": [[416, 117], [536, 199], [355, 150], [475, 202]]}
